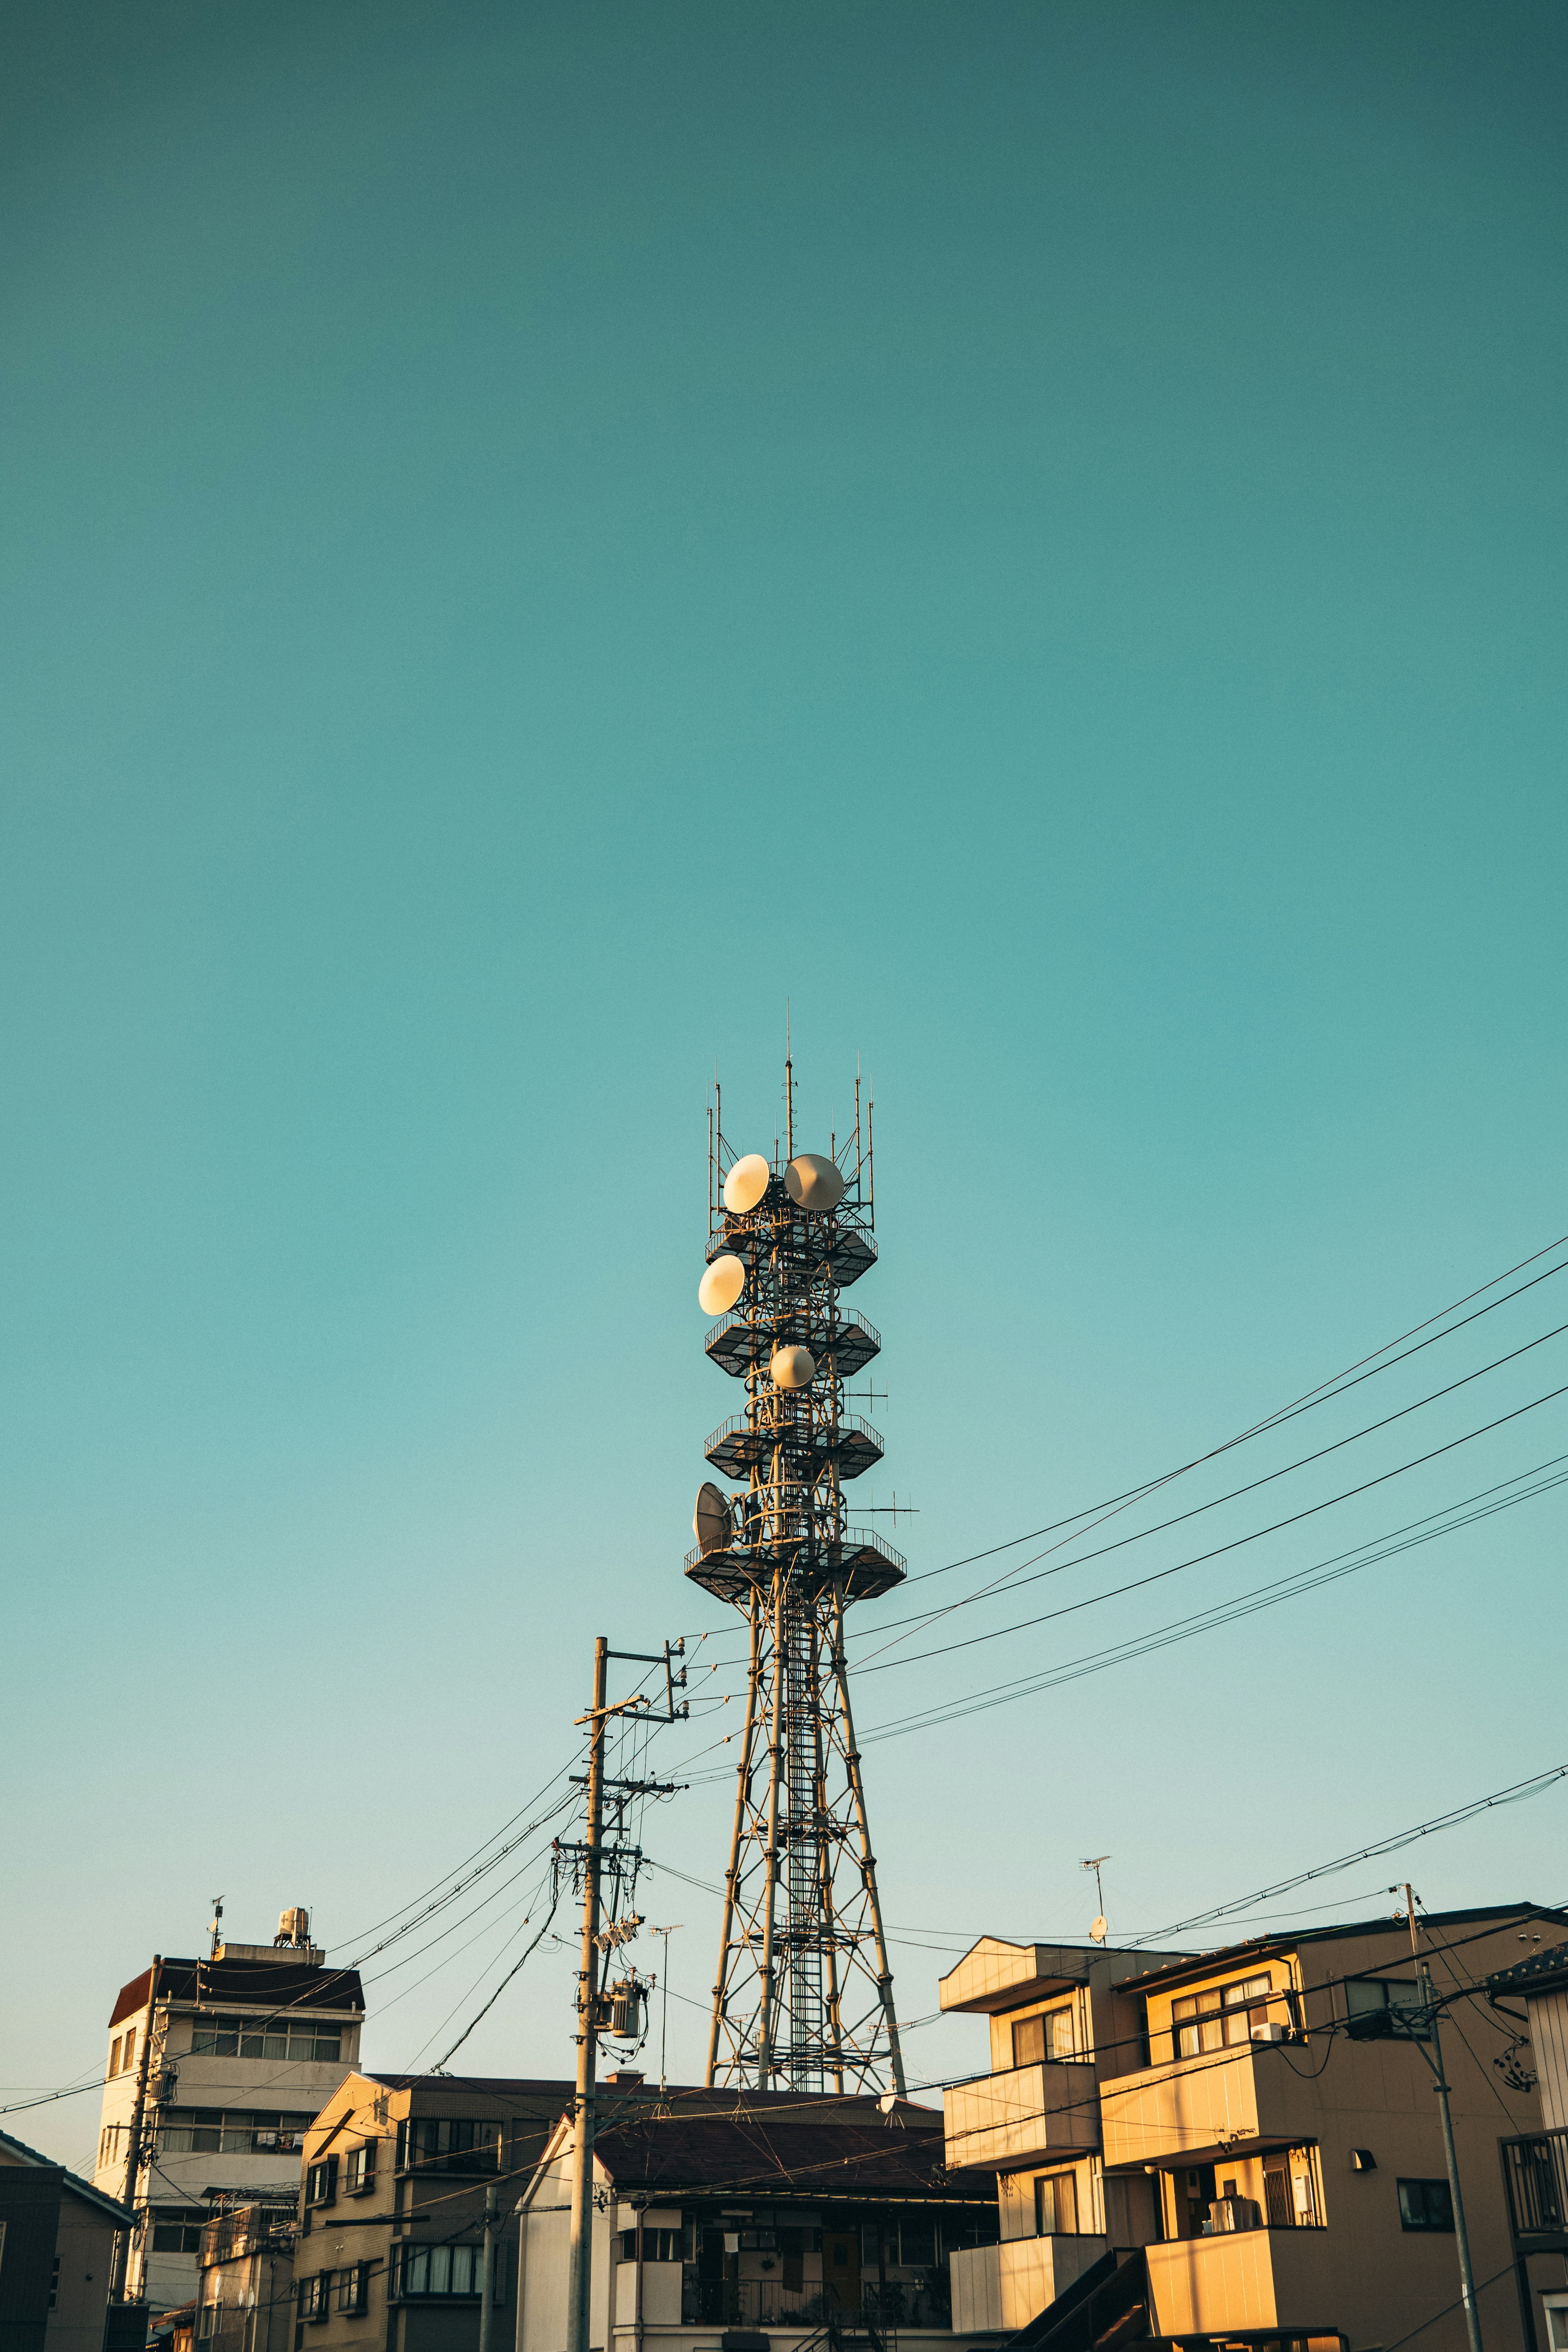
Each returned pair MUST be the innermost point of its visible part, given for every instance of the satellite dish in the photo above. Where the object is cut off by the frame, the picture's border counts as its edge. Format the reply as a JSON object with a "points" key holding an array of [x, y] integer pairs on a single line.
{"points": [[746, 1183], [814, 1183], [793, 1368], [710, 1521], [722, 1285], [1098, 1928]]}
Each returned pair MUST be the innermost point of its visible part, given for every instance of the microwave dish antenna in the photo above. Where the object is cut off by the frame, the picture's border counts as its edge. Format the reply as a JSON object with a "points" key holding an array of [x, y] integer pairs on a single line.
{"points": [[745, 1184], [722, 1285]]}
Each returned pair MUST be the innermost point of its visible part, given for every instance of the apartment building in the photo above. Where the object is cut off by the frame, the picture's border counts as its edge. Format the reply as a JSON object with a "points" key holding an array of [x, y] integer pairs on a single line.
{"points": [[389, 2245], [245, 2299], [57, 2247], [1242, 2147], [758, 2216], [1529, 2000], [227, 2060]]}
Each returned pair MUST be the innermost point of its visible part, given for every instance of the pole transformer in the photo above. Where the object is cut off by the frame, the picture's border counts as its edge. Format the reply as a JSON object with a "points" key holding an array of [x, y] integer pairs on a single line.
{"points": [[803, 1997]]}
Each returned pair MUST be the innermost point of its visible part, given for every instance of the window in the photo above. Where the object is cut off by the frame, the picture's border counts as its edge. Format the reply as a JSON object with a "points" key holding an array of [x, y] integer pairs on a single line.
{"points": [[315, 2295], [127, 2053], [1056, 2206], [1049, 2035], [354, 2289], [448, 2144], [435, 2270], [1425, 2205], [1220, 2017], [1382, 2008], [657, 2245], [300, 2038], [214, 2132], [1557, 2323], [359, 2170], [114, 2055], [174, 2235], [208, 2323], [917, 2244], [322, 2182]]}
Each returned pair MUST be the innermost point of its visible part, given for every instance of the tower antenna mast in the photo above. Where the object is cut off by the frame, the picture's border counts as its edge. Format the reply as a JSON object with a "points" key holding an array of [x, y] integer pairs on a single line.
{"points": [[803, 1994]]}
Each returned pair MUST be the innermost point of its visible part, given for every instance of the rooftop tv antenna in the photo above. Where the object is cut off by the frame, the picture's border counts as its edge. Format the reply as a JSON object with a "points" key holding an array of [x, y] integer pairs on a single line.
{"points": [[1098, 1928], [216, 1930], [803, 1997]]}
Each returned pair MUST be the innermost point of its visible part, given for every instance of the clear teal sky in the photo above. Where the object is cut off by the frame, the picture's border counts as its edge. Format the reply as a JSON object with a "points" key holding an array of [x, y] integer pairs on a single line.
{"points": [[534, 535]]}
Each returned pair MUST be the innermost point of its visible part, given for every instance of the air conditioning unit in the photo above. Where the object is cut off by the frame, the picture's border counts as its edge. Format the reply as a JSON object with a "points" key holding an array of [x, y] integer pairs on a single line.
{"points": [[1270, 2032]]}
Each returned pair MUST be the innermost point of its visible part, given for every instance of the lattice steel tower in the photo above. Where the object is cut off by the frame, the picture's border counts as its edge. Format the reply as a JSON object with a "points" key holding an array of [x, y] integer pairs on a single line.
{"points": [[805, 1995]]}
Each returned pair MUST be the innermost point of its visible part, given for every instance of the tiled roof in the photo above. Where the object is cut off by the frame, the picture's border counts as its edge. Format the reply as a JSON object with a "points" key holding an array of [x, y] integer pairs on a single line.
{"points": [[757, 2151], [1542, 1973], [20, 2153], [253, 1983]]}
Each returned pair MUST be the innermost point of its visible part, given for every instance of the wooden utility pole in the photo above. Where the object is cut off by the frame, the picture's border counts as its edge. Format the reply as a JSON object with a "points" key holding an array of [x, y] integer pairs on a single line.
{"points": [[580, 2269], [119, 2268]]}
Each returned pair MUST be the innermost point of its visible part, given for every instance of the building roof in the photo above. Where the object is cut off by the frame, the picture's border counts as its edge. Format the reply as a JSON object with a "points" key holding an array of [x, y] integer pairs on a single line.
{"points": [[16, 2151], [1541, 1972], [995, 1975], [1259, 1947], [499, 2086], [766, 2148], [255, 1984]]}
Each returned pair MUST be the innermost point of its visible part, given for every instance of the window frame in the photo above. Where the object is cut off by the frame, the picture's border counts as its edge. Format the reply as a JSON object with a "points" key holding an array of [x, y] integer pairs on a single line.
{"points": [[1053, 2181], [1425, 2227]]}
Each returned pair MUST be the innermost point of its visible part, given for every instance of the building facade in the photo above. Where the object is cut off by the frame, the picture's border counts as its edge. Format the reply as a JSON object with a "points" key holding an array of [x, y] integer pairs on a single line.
{"points": [[772, 2214], [1245, 2143], [1534, 1995], [57, 2250], [220, 2065], [389, 2247]]}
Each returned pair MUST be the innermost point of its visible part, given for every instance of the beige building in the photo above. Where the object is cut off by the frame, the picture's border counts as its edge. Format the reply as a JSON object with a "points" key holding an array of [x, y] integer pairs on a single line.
{"points": [[1532, 1995], [757, 2217], [1245, 2143], [231, 2058], [245, 2297], [389, 2246], [57, 2247]]}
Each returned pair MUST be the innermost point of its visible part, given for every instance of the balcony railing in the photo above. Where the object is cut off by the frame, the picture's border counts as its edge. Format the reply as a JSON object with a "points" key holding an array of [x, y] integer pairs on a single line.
{"points": [[1535, 2175]]}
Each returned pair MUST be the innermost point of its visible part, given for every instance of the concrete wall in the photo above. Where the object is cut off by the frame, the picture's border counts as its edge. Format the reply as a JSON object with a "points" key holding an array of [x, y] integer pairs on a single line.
{"points": [[1004, 2287]]}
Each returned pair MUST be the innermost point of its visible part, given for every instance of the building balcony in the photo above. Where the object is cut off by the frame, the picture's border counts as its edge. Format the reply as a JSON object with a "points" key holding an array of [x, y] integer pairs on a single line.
{"points": [[1243, 2281], [1004, 2287], [1535, 2174], [1027, 2114], [1196, 2110]]}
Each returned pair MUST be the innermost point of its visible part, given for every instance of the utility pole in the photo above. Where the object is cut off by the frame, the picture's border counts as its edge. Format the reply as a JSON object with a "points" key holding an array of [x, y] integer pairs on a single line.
{"points": [[1434, 2060], [580, 2268], [591, 2013], [119, 2268], [488, 2275]]}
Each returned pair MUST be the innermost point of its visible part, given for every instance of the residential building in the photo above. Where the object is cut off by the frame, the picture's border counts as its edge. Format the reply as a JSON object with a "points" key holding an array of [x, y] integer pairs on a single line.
{"points": [[57, 2250], [1247, 2147], [1534, 1994], [227, 2060], [245, 2301], [741, 2211], [391, 2214], [1061, 2022]]}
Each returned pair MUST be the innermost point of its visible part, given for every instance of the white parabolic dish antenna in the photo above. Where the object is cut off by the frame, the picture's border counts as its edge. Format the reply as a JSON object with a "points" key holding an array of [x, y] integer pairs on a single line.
{"points": [[722, 1285], [1098, 1928], [746, 1183], [793, 1368], [814, 1183], [710, 1521]]}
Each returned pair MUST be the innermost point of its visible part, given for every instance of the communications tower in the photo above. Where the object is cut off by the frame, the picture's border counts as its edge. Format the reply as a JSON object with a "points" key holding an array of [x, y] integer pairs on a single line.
{"points": [[803, 1997]]}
